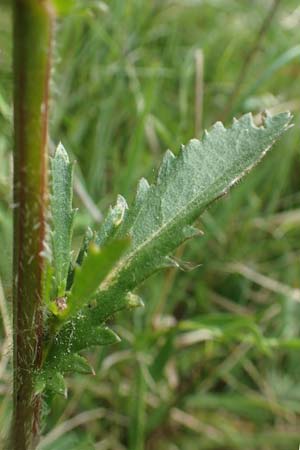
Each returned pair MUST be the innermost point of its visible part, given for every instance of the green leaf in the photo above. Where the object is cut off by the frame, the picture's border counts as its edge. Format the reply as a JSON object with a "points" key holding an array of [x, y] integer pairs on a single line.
{"points": [[95, 267], [160, 218], [161, 215], [112, 221], [77, 336], [62, 216], [203, 172], [55, 382], [50, 380], [70, 363]]}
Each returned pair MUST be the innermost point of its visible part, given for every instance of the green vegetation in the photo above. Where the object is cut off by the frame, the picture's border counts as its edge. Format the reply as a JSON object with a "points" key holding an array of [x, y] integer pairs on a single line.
{"points": [[211, 361], [141, 241]]}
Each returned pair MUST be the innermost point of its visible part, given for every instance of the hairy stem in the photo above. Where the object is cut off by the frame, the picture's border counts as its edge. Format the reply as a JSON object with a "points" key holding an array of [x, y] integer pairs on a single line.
{"points": [[33, 23]]}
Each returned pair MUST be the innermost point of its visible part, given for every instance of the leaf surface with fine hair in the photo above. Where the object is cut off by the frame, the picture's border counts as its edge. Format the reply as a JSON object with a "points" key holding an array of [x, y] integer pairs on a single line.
{"points": [[162, 214]]}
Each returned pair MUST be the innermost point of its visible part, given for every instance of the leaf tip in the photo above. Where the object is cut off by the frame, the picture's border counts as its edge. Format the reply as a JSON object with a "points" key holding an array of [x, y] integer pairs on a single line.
{"points": [[61, 152], [134, 301], [166, 165], [142, 189], [119, 211], [106, 336], [282, 119], [218, 126]]}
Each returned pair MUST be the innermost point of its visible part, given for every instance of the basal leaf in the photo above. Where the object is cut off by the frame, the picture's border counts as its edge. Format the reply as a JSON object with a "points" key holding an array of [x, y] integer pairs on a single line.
{"points": [[62, 216]]}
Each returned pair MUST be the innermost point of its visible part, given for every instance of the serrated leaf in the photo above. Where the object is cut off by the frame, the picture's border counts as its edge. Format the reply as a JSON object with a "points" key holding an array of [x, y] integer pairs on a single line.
{"points": [[62, 215], [161, 216], [79, 334], [95, 267], [203, 172], [76, 336]]}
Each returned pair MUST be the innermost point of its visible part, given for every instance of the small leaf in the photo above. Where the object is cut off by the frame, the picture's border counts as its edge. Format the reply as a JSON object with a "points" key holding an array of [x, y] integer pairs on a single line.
{"points": [[96, 336], [76, 336], [55, 382], [82, 332], [62, 215], [95, 267], [112, 222], [71, 363], [50, 380]]}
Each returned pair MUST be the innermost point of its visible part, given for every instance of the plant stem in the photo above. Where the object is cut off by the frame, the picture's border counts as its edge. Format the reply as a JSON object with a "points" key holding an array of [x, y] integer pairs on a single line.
{"points": [[33, 24]]}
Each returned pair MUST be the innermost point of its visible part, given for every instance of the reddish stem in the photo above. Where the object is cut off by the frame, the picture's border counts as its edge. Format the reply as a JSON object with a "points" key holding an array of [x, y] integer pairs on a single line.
{"points": [[33, 24]]}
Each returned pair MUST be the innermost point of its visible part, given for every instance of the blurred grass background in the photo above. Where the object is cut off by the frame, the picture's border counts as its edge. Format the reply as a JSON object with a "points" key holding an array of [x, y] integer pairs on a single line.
{"points": [[212, 362]]}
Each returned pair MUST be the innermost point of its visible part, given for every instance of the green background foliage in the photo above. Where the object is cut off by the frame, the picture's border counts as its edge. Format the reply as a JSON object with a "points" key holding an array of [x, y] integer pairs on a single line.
{"points": [[212, 360]]}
